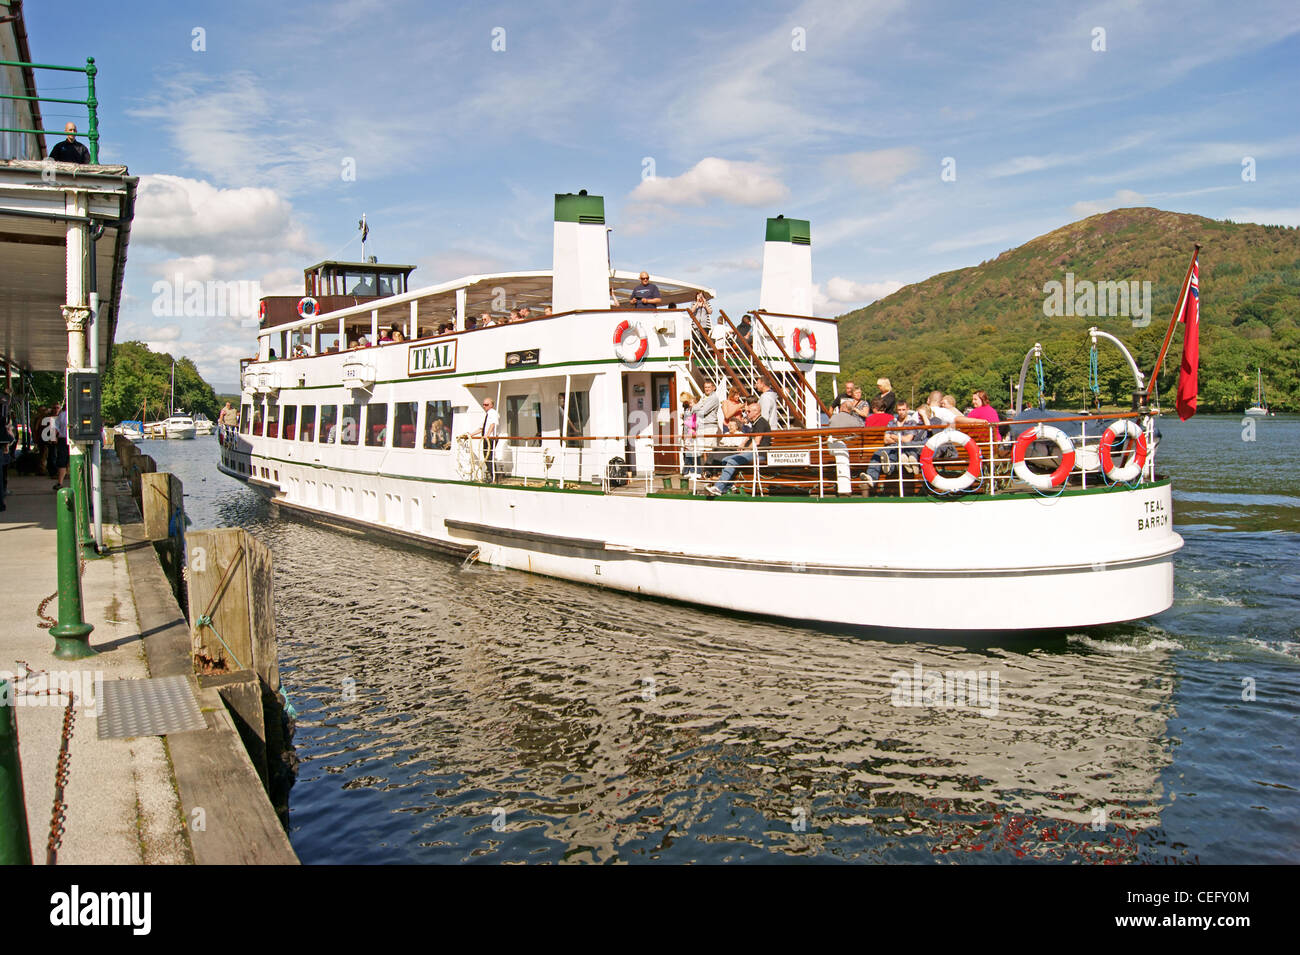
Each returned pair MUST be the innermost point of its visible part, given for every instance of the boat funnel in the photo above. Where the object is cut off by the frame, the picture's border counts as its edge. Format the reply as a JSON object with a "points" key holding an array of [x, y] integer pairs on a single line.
{"points": [[580, 276], [787, 268]]}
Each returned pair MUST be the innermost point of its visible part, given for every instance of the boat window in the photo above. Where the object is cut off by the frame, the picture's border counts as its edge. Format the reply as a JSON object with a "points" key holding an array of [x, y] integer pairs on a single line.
{"points": [[329, 416], [245, 418], [579, 416], [404, 413], [359, 283], [376, 425], [390, 284], [307, 430], [272, 420], [523, 420], [290, 422], [437, 425], [351, 423], [257, 420]]}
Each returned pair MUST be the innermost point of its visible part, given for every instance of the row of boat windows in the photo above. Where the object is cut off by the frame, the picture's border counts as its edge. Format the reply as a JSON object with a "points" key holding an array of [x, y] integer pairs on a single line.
{"points": [[397, 425]]}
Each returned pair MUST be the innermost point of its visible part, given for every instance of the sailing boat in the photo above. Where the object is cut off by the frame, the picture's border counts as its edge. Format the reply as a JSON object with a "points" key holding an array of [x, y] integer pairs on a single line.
{"points": [[1259, 408], [179, 425]]}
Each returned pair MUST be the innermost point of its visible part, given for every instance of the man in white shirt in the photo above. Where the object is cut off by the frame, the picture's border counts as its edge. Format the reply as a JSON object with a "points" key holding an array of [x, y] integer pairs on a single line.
{"points": [[488, 432], [766, 401]]}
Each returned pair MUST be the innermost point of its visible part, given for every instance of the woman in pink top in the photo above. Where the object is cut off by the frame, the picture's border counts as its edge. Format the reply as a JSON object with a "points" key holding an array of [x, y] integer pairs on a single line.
{"points": [[983, 409]]}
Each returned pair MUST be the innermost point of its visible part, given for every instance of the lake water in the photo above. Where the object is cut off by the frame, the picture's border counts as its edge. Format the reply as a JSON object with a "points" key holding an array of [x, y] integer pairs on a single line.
{"points": [[456, 714]]}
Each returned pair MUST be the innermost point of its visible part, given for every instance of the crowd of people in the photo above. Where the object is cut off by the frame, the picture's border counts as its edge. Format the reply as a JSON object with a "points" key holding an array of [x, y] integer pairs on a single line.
{"points": [[723, 432], [41, 448]]}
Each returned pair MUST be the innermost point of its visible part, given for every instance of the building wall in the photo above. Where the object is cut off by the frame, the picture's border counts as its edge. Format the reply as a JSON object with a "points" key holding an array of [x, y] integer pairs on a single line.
{"points": [[14, 113]]}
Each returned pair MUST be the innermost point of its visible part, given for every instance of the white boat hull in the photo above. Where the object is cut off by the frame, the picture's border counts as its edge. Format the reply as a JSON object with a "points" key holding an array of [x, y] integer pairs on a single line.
{"points": [[184, 433], [1004, 563]]}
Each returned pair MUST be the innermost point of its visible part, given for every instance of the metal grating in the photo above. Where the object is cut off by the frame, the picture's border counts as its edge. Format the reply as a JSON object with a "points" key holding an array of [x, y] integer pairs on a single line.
{"points": [[153, 707]]}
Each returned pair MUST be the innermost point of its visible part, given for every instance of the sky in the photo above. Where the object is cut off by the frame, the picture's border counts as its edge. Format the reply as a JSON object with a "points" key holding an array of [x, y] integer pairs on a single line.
{"points": [[916, 137]]}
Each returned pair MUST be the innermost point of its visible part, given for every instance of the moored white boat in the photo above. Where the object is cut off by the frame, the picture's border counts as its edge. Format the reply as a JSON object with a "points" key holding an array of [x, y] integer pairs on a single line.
{"points": [[179, 426], [586, 482], [203, 425]]}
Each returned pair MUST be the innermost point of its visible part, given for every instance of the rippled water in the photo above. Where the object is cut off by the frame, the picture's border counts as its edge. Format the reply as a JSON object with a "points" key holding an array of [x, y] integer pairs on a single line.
{"points": [[451, 714]]}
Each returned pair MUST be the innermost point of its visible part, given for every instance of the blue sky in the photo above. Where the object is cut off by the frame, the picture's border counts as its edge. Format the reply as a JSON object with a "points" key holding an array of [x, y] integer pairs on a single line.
{"points": [[841, 113]]}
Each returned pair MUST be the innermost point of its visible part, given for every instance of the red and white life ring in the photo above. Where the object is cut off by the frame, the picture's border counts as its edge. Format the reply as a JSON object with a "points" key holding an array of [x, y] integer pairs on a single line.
{"points": [[974, 460], [1129, 429], [620, 347], [803, 343], [1043, 482], [261, 310], [308, 307]]}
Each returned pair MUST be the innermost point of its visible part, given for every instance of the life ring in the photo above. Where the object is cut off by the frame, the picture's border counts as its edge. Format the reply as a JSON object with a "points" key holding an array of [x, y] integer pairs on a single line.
{"points": [[974, 460], [804, 344], [261, 310], [643, 341], [308, 307], [1130, 429], [1043, 482]]}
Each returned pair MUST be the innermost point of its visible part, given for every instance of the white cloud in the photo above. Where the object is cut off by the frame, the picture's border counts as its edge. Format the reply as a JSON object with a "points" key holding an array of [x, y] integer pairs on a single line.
{"points": [[1122, 198], [191, 216], [841, 294], [740, 183], [1020, 165], [878, 167]]}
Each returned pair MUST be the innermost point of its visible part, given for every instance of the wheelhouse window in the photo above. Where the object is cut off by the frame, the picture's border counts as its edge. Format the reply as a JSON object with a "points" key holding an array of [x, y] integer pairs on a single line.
{"points": [[404, 421], [579, 415], [307, 427], [351, 424], [376, 425], [389, 284], [359, 283], [245, 418], [329, 417], [524, 420], [437, 425], [272, 421], [290, 423]]}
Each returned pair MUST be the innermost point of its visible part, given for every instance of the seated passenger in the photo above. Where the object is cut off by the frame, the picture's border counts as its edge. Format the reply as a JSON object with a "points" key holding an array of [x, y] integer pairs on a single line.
{"points": [[844, 416], [731, 406], [437, 439], [887, 393], [879, 417], [397, 335], [982, 410], [755, 441], [385, 336], [902, 448], [524, 313]]}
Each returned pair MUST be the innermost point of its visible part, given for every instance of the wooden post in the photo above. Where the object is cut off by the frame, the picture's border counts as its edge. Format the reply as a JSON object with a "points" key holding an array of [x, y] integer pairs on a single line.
{"points": [[140, 464], [232, 634], [162, 505]]}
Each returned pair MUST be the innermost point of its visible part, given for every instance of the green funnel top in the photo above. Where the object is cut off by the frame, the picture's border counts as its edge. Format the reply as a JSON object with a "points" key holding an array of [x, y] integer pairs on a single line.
{"points": [[579, 208], [780, 229]]}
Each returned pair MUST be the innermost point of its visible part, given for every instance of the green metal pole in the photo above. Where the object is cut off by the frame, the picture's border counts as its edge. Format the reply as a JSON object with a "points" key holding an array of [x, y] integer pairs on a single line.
{"points": [[77, 480], [91, 103], [15, 848], [71, 634]]}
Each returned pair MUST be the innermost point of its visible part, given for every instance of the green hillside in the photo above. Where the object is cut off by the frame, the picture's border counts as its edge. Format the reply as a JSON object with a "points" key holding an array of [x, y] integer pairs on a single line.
{"points": [[969, 329]]}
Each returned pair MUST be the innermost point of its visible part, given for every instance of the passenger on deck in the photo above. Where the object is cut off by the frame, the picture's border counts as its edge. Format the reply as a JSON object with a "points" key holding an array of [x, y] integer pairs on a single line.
{"points": [[982, 409], [646, 295], [471, 323], [861, 405], [299, 351], [934, 412], [488, 432], [524, 313], [397, 335], [69, 150], [731, 406], [887, 393], [879, 417], [745, 330], [706, 413], [385, 336], [766, 400], [701, 310], [690, 434], [755, 441], [901, 447], [547, 311], [844, 416]]}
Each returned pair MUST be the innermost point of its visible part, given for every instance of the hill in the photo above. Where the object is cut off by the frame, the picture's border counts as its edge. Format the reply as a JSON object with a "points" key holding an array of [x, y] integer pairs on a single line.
{"points": [[969, 329], [136, 374]]}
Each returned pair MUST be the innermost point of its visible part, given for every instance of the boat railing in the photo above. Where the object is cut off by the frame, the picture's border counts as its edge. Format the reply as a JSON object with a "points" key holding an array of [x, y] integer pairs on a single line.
{"points": [[828, 462]]}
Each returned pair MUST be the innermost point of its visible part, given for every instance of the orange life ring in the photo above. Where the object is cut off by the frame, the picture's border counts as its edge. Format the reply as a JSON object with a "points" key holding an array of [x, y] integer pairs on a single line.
{"points": [[797, 338], [643, 341], [1133, 469], [261, 310], [1043, 481], [974, 460]]}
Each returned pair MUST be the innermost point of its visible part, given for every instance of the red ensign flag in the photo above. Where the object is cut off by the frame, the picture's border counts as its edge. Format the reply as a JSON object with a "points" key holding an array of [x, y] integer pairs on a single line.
{"points": [[1191, 317]]}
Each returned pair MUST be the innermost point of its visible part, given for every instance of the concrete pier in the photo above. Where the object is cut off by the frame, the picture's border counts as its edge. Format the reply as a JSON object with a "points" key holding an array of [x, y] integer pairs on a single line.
{"points": [[187, 797]]}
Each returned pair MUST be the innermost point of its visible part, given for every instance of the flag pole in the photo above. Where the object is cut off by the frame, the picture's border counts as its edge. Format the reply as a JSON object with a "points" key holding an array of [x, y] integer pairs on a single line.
{"points": [[1178, 313]]}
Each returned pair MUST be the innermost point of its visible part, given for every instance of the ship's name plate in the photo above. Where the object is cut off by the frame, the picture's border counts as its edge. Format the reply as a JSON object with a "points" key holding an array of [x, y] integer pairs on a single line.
{"points": [[788, 457], [434, 358]]}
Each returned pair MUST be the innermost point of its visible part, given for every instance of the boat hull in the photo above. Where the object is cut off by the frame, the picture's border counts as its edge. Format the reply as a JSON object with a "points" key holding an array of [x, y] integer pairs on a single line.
{"points": [[1005, 563]]}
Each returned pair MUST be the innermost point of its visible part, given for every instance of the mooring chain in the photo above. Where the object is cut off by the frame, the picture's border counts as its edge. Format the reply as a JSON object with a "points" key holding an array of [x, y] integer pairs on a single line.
{"points": [[62, 767], [46, 621]]}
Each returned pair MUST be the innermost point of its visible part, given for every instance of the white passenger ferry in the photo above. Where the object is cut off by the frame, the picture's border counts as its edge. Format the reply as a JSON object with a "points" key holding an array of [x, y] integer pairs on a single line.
{"points": [[585, 479]]}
